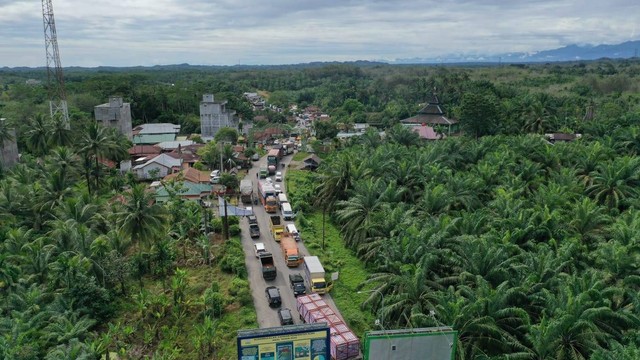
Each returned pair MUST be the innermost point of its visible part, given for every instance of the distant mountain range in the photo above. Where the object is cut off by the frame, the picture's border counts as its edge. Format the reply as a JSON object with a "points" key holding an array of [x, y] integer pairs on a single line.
{"points": [[624, 50]]}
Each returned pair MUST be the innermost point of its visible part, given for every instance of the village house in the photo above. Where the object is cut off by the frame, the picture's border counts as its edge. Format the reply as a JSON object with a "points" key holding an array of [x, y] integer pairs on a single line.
{"points": [[433, 115], [158, 167]]}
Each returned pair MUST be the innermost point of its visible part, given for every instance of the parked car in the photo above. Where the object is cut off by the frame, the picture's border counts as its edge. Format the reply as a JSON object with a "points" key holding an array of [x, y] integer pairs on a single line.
{"points": [[278, 176], [255, 157], [273, 296], [214, 177], [285, 316]]}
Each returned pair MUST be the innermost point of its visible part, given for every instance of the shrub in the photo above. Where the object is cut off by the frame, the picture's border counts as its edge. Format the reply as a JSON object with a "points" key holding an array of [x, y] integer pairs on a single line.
{"points": [[89, 298], [234, 230]]}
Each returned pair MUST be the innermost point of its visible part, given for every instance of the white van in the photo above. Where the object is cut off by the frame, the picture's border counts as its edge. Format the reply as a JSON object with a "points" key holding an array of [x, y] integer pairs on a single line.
{"points": [[291, 228], [287, 212], [282, 198]]}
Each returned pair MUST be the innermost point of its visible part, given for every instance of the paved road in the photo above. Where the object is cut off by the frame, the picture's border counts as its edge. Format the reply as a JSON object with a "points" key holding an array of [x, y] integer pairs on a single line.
{"points": [[268, 317]]}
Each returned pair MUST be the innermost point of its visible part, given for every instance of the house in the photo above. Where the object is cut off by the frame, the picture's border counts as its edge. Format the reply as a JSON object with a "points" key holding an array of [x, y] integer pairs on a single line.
{"points": [[267, 134], [426, 132], [311, 162], [184, 189], [188, 154], [142, 153], [562, 137], [168, 146], [155, 133], [158, 167], [191, 175], [432, 114]]}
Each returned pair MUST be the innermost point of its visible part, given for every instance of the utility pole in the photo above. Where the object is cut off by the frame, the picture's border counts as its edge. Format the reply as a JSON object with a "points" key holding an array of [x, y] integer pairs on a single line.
{"points": [[55, 78], [323, 212]]}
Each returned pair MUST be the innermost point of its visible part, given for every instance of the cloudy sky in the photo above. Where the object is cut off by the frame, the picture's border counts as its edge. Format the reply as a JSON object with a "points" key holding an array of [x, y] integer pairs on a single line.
{"points": [[229, 32]]}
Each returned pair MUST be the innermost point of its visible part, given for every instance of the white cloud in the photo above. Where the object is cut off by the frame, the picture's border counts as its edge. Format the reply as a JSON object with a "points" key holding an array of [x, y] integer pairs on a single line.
{"points": [[225, 32]]}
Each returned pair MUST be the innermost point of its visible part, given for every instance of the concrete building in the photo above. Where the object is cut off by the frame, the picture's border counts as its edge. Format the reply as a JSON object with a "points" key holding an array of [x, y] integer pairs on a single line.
{"points": [[214, 115], [115, 114], [9, 154]]}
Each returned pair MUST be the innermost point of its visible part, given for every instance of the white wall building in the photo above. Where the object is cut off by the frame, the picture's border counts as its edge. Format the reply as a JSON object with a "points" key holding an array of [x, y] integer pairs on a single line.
{"points": [[115, 114], [214, 115]]}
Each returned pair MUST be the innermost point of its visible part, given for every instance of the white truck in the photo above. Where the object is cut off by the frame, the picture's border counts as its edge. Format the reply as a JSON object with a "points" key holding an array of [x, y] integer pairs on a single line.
{"points": [[314, 275]]}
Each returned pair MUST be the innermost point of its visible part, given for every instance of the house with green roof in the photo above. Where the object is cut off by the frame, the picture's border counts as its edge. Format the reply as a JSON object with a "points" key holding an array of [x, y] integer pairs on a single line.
{"points": [[184, 189]]}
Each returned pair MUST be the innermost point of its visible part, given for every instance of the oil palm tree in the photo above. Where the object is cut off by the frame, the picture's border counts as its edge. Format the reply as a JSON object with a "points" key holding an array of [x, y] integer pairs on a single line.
{"points": [[614, 183], [356, 214], [336, 179]]}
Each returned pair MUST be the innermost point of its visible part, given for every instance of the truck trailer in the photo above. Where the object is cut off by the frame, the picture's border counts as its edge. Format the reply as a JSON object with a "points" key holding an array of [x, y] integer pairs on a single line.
{"points": [[344, 344]]}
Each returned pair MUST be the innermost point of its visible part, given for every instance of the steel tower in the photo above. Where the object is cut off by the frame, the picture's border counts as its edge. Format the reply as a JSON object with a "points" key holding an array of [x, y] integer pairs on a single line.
{"points": [[55, 78]]}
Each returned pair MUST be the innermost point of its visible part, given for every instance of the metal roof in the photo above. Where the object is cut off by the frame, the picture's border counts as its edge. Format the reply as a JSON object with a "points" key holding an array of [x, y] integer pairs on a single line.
{"points": [[152, 138]]}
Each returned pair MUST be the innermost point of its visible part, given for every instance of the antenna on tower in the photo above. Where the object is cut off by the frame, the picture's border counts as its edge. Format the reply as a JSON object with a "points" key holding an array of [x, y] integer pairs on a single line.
{"points": [[55, 79]]}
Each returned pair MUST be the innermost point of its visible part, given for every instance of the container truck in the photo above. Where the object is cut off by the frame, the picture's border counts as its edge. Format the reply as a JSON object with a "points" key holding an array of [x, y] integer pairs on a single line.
{"points": [[276, 226], [290, 250], [314, 275], [269, 271], [344, 344], [246, 191]]}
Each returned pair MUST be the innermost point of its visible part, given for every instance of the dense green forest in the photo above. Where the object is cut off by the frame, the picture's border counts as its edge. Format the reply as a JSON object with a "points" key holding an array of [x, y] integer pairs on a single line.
{"points": [[529, 249]]}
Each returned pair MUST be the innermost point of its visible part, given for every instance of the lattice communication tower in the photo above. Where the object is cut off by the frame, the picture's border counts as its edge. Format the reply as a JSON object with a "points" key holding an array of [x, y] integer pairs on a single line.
{"points": [[55, 78]]}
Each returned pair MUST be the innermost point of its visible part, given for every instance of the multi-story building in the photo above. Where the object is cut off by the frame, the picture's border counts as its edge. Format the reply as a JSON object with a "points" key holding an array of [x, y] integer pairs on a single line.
{"points": [[115, 114], [214, 115]]}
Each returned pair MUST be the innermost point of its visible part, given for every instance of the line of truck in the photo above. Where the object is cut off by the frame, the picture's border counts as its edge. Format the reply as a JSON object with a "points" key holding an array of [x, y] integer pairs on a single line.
{"points": [[344, 344]]}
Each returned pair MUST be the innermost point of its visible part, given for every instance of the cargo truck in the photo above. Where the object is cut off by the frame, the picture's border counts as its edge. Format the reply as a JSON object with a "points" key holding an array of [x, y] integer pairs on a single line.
{"points": [[276, 226], [290, 250], [269, 271], [344, 344], [314, 275], [268, 197], [246, 191]]}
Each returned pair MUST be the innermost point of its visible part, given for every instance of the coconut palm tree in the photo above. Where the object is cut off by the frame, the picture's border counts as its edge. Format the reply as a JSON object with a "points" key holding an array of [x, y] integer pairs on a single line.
{"points": [[140, 218], [60, 134], [37, 136], [95, 144]]}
